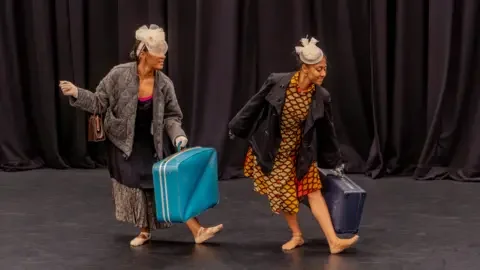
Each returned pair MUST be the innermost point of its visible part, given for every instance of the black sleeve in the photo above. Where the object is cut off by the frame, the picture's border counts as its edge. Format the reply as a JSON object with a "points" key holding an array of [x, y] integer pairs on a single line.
{"points": [[328, 147], [243, 122]]}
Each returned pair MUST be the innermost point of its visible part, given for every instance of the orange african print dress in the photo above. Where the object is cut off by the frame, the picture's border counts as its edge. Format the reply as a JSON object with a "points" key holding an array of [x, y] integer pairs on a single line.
{"points": [[281, 186]]}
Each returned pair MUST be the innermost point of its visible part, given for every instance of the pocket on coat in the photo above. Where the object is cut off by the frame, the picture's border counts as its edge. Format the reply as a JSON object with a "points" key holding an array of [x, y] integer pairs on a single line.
{"points": [[116, 127]]}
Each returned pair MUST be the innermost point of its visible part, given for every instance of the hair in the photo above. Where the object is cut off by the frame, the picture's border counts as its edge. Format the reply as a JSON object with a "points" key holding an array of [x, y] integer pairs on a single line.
{"points": [[298, 62], [133, 53]]}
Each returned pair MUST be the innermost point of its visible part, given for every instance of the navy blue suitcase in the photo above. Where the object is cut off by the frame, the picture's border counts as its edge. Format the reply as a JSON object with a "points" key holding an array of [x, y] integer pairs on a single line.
{"points": [[345, 200]]}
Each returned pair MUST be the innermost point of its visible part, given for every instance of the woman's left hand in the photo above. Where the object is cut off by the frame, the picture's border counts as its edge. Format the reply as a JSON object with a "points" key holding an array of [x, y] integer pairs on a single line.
{"points": [[340, 170], [181, 142]]}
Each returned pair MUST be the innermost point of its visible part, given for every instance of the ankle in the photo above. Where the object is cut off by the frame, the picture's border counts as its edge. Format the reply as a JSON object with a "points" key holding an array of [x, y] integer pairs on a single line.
{"points": [[196, 231], [297, 235], [333, 241], [296, 241], [143, 235]]}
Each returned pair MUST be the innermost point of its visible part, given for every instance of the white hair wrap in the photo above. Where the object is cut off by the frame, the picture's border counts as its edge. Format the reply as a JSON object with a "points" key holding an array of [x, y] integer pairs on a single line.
{"points": [[153, 38], [309, 53]]}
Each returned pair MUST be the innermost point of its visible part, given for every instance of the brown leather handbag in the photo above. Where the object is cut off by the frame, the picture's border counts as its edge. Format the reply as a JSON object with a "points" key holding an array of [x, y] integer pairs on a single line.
{"points": [[95, 128]]}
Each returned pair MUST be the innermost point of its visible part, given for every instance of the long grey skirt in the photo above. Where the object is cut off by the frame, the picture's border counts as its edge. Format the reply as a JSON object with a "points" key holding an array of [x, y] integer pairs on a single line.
{"points": [[136, 206]]}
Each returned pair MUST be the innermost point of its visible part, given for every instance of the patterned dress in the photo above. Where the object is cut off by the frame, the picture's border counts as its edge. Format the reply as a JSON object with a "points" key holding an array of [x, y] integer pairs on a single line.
{"points": [[281, 186]]}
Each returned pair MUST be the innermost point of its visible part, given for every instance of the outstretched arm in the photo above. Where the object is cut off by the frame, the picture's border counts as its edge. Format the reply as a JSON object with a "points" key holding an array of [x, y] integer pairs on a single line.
{"points": [[94, 102]]}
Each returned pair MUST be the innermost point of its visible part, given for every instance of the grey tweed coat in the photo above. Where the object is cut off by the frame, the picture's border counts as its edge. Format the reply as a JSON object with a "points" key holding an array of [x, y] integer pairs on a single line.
{"points": [[116, 97]]}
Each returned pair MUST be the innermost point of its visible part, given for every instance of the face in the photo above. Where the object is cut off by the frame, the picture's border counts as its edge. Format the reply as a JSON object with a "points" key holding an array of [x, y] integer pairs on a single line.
{"points": [[316, 73], [154, 61]]}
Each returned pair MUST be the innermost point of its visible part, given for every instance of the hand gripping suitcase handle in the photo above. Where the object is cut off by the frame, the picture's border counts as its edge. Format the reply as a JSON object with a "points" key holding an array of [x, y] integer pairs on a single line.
{"points": [[339, 171], [179, 147]]}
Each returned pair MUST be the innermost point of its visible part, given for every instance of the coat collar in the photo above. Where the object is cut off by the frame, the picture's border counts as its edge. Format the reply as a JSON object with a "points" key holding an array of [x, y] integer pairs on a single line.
{"points": [[133, 75], [276, 97], [133, 81]]}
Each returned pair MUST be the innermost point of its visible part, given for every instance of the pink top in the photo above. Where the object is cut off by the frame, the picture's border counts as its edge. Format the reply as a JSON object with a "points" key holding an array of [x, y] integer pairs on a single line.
{"points": [[143, 99]]}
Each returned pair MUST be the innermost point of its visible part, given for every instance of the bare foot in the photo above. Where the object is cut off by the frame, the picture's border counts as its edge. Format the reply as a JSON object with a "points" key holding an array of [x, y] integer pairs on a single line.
{"points": [[296, 241], [206, 233], [342, 244]]}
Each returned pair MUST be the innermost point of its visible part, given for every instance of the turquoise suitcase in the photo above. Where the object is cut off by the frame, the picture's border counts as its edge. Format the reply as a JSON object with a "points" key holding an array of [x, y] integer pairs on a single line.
{"points": [[185, 184]]}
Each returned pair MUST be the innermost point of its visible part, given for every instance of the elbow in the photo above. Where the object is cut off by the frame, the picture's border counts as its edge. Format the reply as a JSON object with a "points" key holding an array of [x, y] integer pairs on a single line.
{"points": [[172, 119]]}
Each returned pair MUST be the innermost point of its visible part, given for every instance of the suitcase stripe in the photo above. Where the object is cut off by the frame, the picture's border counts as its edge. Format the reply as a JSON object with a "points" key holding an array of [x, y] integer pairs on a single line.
{"points": [[162, 197], [162, 172], [166, 210]]}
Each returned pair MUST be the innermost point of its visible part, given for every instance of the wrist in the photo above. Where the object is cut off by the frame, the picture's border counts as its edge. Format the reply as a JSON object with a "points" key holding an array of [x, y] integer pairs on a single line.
{"points": [[182, 140], [181, 137]]}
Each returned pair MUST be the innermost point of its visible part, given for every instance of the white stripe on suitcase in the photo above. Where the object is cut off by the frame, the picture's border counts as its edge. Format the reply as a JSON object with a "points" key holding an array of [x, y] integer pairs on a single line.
{"points": [[160, 177], [162, 172], [163, 190], [166, 190]]}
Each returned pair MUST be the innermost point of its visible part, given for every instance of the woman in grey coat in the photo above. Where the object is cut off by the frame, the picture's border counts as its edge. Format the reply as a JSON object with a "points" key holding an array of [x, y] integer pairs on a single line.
{"points": [[139, 103]]}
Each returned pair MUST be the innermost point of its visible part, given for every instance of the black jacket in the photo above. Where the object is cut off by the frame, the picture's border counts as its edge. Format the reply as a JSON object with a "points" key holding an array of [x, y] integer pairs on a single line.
{"points": [[259, 123]]}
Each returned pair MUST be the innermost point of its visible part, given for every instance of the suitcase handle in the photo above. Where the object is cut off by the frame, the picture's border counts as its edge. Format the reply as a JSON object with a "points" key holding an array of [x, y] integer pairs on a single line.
{"points": [[339, 171], [179, 147], [341, 177], [344, 178]]}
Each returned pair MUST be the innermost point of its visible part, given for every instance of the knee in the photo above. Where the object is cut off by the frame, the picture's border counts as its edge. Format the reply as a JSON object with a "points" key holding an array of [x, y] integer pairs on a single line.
{"points": [[289, 215]]}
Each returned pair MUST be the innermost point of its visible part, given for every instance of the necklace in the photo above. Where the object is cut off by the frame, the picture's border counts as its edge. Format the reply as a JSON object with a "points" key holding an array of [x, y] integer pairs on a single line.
{"points": [[302, 91]]}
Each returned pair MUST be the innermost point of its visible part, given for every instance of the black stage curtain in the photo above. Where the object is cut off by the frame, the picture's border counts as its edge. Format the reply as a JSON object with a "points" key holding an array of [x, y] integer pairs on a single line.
{"points": [[402, 75]]}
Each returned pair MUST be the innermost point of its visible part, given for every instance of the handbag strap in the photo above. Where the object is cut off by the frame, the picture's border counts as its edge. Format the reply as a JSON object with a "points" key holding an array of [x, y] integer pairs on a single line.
{"points": [[95, 111]]}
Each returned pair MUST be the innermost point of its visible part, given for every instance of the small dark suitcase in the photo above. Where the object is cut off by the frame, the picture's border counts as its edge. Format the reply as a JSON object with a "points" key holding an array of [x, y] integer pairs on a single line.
{"points": [[345, 200]]}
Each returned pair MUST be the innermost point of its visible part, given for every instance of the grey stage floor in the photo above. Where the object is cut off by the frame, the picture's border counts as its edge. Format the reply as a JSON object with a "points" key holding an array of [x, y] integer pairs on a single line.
{"points": [[63, 220]]}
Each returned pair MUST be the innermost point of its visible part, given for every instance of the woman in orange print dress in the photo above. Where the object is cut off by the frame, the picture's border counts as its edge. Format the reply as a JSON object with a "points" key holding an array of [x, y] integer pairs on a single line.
{"points": [[289, 126]]}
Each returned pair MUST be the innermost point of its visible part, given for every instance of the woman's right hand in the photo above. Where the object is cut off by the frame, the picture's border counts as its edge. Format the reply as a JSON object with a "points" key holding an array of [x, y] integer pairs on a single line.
{"points": [[69, 89]]}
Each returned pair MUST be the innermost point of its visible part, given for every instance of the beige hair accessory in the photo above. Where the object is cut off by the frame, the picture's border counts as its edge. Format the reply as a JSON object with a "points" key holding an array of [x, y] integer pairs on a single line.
{"points": [[153, 38], [309, 53]]}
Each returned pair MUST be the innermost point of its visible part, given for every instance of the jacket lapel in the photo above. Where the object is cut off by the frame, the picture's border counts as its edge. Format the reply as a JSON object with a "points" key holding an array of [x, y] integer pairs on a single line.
{"points": [[317, 108], [132, 83], [276, 97], [158, 98]]}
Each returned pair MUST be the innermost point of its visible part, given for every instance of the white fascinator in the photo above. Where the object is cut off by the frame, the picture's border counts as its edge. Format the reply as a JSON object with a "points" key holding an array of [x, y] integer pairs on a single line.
{"points": [[309, 53], [153, 38]]}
